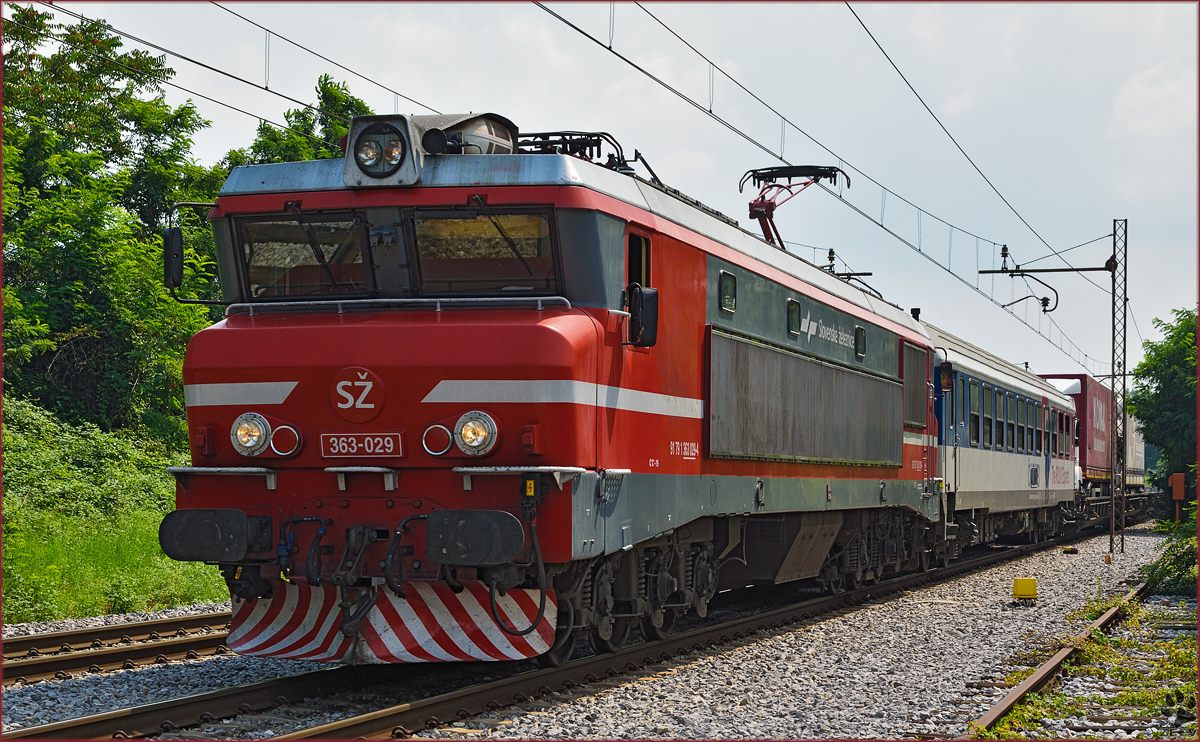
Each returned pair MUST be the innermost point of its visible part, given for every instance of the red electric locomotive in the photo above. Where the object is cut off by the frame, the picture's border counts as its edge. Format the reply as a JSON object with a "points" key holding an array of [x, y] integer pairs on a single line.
{"points": [[476, 396]]}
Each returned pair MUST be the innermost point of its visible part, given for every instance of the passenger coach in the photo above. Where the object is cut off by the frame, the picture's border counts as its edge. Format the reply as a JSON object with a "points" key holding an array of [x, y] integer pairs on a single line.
{"points": [[1005, 443]]}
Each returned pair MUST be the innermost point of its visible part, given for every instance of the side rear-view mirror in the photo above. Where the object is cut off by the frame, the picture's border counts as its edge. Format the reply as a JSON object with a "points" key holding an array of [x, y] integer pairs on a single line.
{"points": [[173, 258], [643, 315]]}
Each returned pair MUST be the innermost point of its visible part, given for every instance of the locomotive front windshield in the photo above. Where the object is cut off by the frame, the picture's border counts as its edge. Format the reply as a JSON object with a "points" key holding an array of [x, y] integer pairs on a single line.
{"points": [[480, 253], [299, 257], [392, 252]]}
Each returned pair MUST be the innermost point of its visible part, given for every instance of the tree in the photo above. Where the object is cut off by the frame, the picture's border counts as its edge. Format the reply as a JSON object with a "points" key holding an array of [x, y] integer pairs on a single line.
{"points": [[311, 134], [93, 155], [1163, 398]]}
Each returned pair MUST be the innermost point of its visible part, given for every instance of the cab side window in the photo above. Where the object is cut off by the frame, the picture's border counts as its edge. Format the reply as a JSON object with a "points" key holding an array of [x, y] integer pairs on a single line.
{"points": [[639, 260]]}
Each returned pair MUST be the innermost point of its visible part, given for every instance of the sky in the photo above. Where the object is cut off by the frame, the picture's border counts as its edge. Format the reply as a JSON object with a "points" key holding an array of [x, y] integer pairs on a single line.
{"points": [[1078, 113]]}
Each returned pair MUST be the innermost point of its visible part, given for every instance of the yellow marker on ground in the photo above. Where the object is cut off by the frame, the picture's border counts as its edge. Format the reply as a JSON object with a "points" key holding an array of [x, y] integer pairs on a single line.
{"points": [[1025, 588]]}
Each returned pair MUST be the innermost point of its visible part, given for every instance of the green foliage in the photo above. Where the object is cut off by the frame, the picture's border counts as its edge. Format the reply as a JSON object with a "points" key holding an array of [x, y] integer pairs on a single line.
{"points": [[93, 155], [81, 515], [80, 470], [59, 566], [314, 135], [94, 158], [1174, 571], [1163, 398]]}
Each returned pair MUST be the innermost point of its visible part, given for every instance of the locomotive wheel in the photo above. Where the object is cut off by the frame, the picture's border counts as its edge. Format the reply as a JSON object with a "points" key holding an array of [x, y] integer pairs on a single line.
{"points": [[560, 654], [830, 579], [565, 637], [616, 638], [609, 633], [852, 581], [665, 628]]}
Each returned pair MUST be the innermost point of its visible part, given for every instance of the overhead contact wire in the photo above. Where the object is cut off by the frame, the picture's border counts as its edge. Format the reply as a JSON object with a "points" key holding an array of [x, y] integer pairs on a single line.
{"points": [[700, 107], [959, 278], [186, 58], [230, 106], [321, 56], [1054, 253], [795, 126]]}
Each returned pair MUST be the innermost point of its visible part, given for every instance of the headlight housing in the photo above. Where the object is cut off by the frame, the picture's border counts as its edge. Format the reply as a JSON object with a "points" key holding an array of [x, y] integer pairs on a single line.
{"points": [[379, 150], [251, 434], [475, 433]]}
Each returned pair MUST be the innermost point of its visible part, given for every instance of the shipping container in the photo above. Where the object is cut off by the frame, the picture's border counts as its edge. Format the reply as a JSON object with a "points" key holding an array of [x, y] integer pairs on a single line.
{"points": [[1093, 408]]}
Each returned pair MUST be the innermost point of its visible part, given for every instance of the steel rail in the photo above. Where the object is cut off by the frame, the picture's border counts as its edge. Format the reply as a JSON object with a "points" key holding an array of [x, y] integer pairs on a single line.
{"points": [[409, 718], [1049, 669], [115, 657], [59, 654], [170, 715], [164, 716], [74, 639]]}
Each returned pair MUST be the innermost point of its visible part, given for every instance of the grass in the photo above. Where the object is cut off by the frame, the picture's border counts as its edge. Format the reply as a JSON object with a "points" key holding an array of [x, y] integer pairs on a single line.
{"points": [[1168, 686], [1174, 571], [81, 514]]}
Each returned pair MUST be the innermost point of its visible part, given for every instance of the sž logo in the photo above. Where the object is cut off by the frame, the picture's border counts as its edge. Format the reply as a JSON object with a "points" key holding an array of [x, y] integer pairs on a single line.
{"points": [[357, 394]]}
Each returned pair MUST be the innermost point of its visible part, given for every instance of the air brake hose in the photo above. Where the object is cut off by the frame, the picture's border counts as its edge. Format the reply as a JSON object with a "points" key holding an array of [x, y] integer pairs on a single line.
{"points": [[390, 576], [541, 576]]}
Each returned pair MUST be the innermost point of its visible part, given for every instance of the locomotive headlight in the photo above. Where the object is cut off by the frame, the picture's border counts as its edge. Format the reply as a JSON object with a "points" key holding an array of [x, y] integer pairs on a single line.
{"points": [[475, 433], [379, 150], [368, 154], [251, 434], [393, 151]]}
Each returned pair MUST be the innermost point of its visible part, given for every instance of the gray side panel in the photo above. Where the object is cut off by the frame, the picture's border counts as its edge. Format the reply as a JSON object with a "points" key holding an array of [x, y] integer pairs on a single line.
{"points": [[651, 504], [825, 332], [767, 403], [592, 248], [916, 371]]}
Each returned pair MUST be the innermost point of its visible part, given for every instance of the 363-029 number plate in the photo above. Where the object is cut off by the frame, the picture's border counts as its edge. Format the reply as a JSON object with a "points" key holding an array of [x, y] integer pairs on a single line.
{"points": [[334, 445]]}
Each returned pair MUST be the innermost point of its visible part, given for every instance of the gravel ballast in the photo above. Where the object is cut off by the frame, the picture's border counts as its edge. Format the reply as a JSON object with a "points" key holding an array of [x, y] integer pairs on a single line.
{"points": [[882, 670], [922, 662], [69, 624]]}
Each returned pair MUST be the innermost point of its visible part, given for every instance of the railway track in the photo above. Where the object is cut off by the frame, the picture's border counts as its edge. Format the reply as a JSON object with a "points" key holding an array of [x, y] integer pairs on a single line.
{"points": [[62, 654], [472, 698], [1099, 718]]}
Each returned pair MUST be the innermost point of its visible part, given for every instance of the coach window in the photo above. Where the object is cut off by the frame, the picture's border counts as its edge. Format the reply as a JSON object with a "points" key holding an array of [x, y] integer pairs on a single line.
{"points": [[1037, 427], [963, 401], [1054, 433], [974, 420], [860, 342], [1045, 430], [1012, 423], [955, 404], [1021, 425], [1030, 432], [639, 260], [793, 317], [727, 292], [1000, 420], [989, 404]]}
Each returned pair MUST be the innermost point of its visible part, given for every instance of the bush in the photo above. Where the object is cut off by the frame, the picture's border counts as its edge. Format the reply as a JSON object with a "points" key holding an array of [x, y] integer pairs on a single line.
{"points": [[60, 566], [1174, 572], [80, 470], [81, 515]]}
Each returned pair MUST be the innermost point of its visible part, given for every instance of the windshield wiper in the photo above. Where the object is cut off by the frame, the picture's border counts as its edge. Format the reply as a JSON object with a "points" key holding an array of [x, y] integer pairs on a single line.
{"points": [[316, 249], [511, 245]]}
